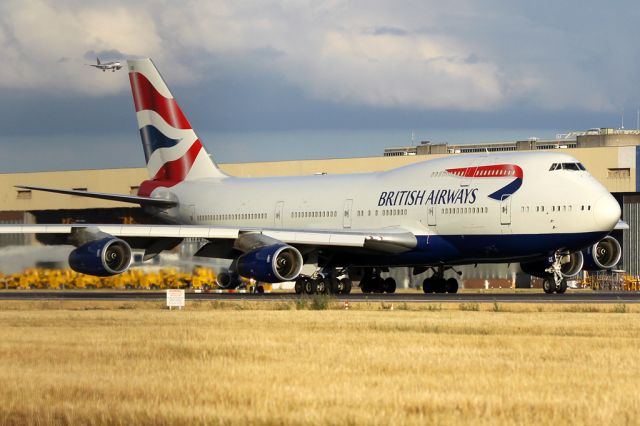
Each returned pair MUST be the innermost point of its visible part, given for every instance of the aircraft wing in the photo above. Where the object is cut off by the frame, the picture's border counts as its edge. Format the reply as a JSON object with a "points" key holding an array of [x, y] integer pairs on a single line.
{"points": [[134, 199], [390, 240]]}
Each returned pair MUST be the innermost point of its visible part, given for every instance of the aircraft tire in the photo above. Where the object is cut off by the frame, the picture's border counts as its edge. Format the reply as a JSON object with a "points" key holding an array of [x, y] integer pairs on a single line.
{"points": [[365, 286], [452, 285], [427, 285], [548, 285], [346, 286], [321, 286], [440, 285], [563, 287], [378, 285], [299, 286], [390, 285], [310, 286]]}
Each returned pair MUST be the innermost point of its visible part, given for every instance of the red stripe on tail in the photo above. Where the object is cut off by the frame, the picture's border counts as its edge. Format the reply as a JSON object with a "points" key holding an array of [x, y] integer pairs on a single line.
{"points": [[177, 170], [172, 172], [146, 97]]}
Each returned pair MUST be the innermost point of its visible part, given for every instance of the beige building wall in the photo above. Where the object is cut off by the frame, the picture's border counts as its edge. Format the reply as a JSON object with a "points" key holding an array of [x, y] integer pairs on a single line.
{"points": [[614, 167]]}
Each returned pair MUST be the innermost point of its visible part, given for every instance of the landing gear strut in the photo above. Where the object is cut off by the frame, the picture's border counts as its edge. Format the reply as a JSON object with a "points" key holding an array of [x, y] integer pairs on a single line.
{"points": [[555, 282], [436, 283]]}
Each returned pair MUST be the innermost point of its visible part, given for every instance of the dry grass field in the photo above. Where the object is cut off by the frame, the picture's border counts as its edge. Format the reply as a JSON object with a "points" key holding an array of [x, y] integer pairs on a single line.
{"points": [[216, 363]]}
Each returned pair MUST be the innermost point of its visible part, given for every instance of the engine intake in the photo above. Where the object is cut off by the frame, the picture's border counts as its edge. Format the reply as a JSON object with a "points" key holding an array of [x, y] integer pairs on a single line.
{"points": [[605, 254], [270, 264], [102, 258]]}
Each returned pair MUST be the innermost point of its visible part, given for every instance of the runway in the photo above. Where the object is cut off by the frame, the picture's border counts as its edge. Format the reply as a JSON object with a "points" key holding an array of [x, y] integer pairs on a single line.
{"points": [[581, 296]]}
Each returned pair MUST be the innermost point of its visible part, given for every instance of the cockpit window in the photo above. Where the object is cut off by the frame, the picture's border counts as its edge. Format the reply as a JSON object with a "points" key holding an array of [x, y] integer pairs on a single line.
{"points": [[567, 166], [570, 166]]}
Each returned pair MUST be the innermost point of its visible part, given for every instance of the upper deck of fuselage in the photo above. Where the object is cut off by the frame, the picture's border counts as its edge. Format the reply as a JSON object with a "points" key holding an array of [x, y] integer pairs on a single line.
{"points": [[533, 163]]}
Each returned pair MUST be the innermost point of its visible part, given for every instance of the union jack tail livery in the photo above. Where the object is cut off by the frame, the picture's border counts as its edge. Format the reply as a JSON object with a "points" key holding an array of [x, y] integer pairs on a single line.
{"points": [[172, 150]]}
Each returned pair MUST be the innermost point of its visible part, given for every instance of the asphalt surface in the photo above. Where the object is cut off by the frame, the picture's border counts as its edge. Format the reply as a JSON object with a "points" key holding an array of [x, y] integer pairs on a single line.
{"points": [[581, 296]]}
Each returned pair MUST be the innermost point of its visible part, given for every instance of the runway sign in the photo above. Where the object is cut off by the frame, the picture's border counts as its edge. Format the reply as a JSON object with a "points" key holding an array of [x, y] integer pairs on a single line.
{"points": [[175, 298]]}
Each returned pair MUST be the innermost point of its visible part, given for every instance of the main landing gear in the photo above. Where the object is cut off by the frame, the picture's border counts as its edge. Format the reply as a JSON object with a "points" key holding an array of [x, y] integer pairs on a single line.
{"points": [[336, 282], [372, 282], [436, 283], [555, 282]]}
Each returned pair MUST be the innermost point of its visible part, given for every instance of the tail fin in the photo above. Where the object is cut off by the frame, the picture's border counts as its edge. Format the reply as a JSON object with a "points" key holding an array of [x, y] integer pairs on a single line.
{"points": [[172, 149], [97, 60]]}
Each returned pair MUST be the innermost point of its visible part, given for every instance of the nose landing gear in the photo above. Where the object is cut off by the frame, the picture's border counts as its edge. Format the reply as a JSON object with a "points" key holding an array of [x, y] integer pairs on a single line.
{"points": [[555, 282]]}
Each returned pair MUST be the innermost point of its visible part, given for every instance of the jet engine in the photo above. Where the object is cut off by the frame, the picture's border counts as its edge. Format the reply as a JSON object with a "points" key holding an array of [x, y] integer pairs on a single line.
{"points": [[571, 265], [270, 264], [604, 254], [103, 257]]}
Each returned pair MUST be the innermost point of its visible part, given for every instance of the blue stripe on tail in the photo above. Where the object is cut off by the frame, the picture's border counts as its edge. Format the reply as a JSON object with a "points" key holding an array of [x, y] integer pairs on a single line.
{"points": [[152, 139]]}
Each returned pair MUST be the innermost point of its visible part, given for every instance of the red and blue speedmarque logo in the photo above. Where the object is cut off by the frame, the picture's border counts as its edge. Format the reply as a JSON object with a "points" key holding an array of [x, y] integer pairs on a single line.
{"points": [[494, 171]]}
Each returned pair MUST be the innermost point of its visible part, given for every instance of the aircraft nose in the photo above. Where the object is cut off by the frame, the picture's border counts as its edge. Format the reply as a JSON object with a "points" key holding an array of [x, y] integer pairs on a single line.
{"points": [[606, 212]]}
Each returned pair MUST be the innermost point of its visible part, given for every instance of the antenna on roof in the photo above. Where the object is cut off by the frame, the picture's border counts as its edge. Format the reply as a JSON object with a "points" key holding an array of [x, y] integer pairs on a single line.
{"points": [[622, 120]]}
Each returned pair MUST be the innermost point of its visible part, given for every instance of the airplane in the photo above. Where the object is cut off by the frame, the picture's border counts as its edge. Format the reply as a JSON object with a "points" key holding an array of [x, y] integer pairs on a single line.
{"points": [[542, 210], [104, 66]]}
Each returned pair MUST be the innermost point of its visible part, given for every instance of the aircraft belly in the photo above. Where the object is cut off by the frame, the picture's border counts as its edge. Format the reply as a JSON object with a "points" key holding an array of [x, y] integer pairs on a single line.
{"points": [[461, 249]]}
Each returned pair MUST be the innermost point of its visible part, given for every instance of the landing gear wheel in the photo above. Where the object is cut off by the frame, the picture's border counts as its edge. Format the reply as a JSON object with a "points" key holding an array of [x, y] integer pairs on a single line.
{"points": [[389, 285], [378, 285], [366, 286], [452, 285], [562, 287], [427, 285], [346, 286], [548, 285], [440, 285], [310, 286], [342, 286], [321, 285], [299, 286]]}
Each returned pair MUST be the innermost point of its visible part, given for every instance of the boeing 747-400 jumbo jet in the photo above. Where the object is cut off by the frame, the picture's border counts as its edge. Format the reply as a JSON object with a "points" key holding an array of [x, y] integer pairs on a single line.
{"points": [[543, 210]]}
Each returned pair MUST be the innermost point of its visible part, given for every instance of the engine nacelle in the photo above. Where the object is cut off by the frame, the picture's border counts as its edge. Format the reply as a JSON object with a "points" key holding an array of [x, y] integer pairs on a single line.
{"points": [[271, 264], [102, 258], [605, 254], [571, 265]]}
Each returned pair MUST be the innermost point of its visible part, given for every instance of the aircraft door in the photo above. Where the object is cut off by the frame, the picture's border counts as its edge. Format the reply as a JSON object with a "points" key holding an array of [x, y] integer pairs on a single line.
{"points": [[277, 216], [431, 215], [346, 219], [505, 209]]}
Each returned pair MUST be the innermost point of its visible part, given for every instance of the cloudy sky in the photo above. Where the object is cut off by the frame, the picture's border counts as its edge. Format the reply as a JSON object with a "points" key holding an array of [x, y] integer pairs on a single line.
{"points": [[264, 80]]}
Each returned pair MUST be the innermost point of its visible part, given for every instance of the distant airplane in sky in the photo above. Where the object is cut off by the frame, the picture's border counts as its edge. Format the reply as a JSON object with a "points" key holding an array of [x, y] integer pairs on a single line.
{"points": [[542, 210], [113, 66]]}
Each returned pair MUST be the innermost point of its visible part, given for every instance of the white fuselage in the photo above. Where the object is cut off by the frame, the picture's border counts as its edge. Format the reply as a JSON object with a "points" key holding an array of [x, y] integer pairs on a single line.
{"points": [[430, 198]]}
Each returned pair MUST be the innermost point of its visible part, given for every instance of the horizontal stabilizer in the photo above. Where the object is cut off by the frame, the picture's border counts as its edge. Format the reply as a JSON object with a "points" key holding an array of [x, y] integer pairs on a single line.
{"points": [[133, 199]]}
